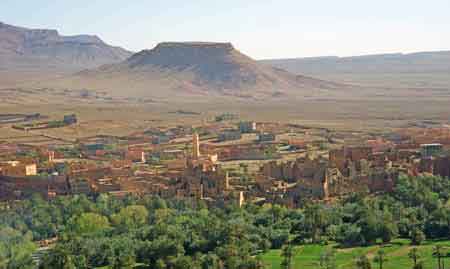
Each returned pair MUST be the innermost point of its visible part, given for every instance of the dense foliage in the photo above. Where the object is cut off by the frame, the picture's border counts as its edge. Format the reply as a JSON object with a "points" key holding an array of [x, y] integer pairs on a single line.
{"points": [[157, 233]]}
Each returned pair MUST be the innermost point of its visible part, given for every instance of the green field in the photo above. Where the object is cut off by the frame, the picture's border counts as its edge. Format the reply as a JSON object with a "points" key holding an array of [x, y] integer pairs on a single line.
{"points": [[308, 256]]}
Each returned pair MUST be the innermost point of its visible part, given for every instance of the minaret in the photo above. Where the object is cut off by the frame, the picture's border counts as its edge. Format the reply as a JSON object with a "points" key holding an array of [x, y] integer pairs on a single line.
{"points": [[195, 146], [227, 181], [51, 156], [241, 199]]}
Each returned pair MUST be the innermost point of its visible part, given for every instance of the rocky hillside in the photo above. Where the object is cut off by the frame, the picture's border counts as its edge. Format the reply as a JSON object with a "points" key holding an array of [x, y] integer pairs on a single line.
{"points": [[195, 68], [44, 52]]}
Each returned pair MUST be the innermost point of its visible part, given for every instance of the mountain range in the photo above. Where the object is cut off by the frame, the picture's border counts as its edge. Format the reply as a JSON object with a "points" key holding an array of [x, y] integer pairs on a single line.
{"points": [[42, 53], [421, 69], [44, 59]]}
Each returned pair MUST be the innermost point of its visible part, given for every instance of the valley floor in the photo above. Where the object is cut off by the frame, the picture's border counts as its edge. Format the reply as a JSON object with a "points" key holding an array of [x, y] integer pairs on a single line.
{"points": [[124, 118]]}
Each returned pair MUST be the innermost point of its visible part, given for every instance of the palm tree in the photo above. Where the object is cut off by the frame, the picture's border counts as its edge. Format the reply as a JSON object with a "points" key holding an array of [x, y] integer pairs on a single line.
{"points": [[362, 262], [380, 258], [328, 259], [414, 255], [287, 252], [437, 252]]}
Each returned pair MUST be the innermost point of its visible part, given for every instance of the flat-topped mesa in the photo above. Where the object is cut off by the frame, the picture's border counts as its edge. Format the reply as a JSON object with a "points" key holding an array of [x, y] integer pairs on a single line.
{"points": [[196, 69], [181, 54], [194, 45]]}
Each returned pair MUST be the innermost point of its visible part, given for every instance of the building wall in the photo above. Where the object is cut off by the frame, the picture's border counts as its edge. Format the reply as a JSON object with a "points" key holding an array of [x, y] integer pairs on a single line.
{"points": [[31, 170], [442, 166], [18, 170], [229, 135]]}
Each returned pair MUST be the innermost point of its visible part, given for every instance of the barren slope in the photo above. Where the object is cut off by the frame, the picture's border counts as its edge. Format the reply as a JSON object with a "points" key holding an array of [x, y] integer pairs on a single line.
{"points": [[27, 54], [173, 70]]}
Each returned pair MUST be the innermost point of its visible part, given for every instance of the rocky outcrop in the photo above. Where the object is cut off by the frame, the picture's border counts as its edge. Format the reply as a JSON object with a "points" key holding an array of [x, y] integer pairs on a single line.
{"points": [[42, 50]]}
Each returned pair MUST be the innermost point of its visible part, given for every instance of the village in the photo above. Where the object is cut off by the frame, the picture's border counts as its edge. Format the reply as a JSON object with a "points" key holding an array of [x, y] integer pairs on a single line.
{"points": [[226, 160]]}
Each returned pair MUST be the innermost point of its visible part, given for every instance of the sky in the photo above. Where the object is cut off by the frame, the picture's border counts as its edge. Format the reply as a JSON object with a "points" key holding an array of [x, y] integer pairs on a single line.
{"points": [[262, 29]]}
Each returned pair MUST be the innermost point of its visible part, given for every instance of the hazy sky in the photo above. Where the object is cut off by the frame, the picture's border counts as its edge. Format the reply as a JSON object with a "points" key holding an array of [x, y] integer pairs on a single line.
{"points": [[259, 28]]}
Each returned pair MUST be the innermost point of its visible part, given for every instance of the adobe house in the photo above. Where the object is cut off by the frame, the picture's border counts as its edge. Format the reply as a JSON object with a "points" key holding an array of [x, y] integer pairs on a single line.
{"points": [[18, 169]]}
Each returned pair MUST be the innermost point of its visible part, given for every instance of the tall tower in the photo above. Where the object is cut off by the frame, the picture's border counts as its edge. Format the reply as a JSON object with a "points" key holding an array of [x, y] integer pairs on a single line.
{"points": [[51, 156], [241, 199], [195, 146]]}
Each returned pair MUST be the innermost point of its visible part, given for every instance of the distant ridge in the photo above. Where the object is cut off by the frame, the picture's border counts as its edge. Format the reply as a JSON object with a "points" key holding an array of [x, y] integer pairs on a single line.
{"points": [[44, 52], [402, 62], [419, 69]]}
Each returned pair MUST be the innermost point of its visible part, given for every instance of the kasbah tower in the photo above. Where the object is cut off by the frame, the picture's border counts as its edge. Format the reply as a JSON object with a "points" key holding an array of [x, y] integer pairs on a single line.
{"points": [[196, 146]]}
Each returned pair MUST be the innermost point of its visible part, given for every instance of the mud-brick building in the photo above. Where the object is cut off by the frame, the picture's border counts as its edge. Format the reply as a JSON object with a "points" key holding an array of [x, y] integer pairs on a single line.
{"points": [[18, 168], [24, 187]]}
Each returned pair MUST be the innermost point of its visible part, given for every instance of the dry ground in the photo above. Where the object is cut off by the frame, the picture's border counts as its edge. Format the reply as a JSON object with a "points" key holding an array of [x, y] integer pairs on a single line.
{"points": [[125, 118]]}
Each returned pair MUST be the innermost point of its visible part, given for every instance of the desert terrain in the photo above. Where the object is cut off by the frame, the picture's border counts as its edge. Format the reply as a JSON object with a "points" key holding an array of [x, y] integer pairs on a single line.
{"points": [[113, 93]]}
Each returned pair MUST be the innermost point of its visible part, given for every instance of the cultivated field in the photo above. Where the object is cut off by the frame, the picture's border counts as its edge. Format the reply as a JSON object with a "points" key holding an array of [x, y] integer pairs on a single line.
{"points": [[308, 256]]}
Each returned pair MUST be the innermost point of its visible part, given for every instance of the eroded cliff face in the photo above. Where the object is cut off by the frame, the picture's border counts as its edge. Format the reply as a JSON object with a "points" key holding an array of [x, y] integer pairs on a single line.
{"points": [[171, 54], [42, 48]]}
